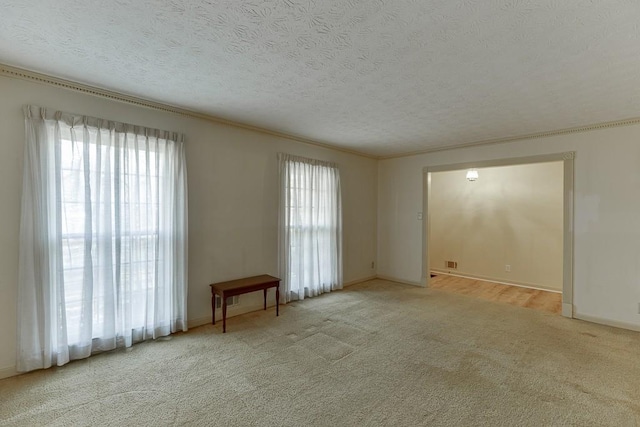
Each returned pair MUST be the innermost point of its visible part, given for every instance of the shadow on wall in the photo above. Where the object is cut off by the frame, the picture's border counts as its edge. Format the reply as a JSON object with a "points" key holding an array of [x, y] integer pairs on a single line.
{"points": [[506, 226]]}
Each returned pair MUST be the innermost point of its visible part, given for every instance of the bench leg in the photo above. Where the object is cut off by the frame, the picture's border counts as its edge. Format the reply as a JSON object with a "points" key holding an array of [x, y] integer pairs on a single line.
{"points": [[224, 315], [213, 307], [278, 300], [265, 298]]}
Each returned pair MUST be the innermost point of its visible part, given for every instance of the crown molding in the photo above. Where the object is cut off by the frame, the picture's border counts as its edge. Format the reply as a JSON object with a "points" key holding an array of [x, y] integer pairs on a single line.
{"points": [[546, 134], [23, 74], [20, 73]]}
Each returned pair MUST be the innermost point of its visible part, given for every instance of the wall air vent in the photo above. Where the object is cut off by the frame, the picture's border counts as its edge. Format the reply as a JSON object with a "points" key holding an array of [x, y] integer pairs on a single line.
{"points": [[230, 301], [451, 264]]}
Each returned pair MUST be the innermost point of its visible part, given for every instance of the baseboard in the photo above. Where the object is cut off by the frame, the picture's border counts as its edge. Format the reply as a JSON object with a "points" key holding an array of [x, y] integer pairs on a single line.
{"points": [[7, 372], [194, 323], [395, 279], [607, 322], [355, 282], [243, 309], [489, 279]]}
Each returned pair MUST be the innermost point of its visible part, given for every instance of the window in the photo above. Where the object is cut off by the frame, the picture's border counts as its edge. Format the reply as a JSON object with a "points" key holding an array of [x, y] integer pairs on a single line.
{"points": [[104, 206], [311, 232], [133, 252]]}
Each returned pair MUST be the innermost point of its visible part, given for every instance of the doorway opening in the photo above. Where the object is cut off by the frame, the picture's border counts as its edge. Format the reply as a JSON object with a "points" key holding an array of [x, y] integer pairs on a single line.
{"points": [[509, 221]]}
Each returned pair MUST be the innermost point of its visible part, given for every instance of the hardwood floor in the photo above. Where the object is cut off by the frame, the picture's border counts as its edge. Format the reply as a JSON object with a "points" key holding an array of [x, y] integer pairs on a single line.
{"points": [[514, 295]]}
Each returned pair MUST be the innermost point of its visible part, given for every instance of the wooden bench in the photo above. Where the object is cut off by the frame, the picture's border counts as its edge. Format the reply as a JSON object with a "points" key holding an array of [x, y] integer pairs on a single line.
{"points": [[243, 286]]}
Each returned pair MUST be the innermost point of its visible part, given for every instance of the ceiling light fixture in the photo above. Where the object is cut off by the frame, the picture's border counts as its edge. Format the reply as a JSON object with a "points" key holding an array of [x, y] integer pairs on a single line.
{"points": [[472, 174]]}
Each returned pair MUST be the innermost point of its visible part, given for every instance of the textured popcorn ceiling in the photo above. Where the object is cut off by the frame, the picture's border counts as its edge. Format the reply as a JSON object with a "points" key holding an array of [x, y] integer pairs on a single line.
{"points": [[380, 76]]}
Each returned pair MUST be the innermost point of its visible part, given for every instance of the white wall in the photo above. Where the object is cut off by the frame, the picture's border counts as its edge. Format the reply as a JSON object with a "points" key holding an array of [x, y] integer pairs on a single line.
{"points": [[233, 198], [511, 215], [607, 223]]}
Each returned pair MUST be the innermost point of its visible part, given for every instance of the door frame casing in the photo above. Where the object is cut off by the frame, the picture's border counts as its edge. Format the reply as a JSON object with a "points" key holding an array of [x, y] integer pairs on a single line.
{"points": [[567, 212]]}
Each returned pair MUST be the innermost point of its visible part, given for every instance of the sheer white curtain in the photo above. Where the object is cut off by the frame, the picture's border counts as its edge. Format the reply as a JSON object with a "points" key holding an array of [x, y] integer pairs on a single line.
{"points": [[310, 227], [103, 254]]}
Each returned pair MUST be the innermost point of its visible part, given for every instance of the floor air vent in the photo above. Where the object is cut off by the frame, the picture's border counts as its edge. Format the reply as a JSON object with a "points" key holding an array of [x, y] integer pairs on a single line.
{"points": [[451, 264], [230, 301]]}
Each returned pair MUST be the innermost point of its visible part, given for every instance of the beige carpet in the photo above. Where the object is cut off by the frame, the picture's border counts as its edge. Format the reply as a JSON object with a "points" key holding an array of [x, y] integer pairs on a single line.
{"points": [[377, 353]]}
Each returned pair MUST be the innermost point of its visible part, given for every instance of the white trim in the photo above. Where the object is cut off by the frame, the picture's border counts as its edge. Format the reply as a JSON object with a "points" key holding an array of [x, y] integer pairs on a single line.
{"points": [[505, 161], [489, 279], [234, 310], [426, 228], [23, 74], [567, 211], [194, 323], [244, 309], [607, 322], [545, 134], [9, 371], [355, 282], [567, 234], [20, 73], [403, 281]]}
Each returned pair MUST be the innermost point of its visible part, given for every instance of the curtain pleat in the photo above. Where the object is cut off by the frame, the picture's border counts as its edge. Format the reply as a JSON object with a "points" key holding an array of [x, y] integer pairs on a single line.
{"points": [[310, 241], [103, 254]]}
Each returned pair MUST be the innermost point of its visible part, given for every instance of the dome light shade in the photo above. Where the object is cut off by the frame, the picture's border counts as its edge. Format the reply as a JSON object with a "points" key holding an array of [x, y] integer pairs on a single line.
{"points": [[472, 175]]}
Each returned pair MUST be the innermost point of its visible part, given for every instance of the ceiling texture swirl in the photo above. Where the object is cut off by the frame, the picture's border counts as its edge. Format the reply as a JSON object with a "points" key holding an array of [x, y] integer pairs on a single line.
{"points": [[380, 77]]}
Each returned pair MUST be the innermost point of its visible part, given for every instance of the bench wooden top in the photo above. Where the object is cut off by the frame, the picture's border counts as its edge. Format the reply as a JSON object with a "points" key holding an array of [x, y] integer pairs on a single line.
{"points": [[242, 286], [247, 282]]}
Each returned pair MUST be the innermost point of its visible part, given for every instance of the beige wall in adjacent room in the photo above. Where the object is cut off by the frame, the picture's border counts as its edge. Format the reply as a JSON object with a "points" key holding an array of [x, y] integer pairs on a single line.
{"points": [[233, 198], [606, 224], [512, 215]]}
